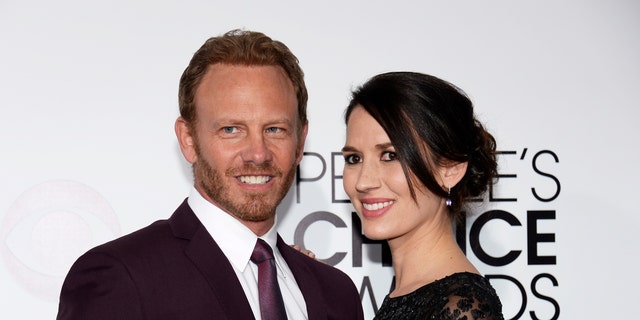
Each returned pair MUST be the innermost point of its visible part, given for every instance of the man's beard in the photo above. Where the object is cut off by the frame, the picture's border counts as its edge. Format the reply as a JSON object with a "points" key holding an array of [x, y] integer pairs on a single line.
{"points": [[245, 206]]}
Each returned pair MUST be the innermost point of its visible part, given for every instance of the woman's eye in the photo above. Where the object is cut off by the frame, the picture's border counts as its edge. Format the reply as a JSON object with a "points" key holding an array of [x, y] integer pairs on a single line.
{"points": [[352, 158], [388, 156]]}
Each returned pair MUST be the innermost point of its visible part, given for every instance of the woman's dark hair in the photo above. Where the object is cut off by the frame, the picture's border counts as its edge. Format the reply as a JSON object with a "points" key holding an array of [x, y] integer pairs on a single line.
{"points": [[431, 123]]}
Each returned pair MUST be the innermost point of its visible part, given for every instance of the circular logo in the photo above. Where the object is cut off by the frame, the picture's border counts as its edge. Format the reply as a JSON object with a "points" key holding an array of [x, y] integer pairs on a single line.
{"points": [[48, 227]]}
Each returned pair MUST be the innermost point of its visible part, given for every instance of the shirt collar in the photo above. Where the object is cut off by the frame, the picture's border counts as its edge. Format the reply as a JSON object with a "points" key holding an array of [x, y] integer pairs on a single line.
{"points": [[234, 239]]}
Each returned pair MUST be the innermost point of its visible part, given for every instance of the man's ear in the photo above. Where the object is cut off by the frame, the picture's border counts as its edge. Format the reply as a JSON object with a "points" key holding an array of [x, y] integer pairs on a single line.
{"points": [[186, 140], [303, 138], [452, 173]]}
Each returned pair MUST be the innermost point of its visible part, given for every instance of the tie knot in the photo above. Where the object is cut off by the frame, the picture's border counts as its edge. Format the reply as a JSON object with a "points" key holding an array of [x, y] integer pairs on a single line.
{"points": [[261, 252]]}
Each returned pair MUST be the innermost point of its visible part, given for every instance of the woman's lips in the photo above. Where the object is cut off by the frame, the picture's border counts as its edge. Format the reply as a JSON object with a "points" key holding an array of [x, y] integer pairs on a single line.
{"points": [[372, 208]]}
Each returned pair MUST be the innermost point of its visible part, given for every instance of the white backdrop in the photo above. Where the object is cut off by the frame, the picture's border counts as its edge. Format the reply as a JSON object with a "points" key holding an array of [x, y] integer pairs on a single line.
{"points": [[89, 95]]}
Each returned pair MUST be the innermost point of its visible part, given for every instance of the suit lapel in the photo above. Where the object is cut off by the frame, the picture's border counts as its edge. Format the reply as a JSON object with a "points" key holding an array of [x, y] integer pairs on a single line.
{"points": [[308, 283], [205, 254]]}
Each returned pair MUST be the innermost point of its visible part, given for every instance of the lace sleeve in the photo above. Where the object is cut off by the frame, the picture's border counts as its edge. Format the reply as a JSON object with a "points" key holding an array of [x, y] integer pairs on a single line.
{"points": [[471, 305]]}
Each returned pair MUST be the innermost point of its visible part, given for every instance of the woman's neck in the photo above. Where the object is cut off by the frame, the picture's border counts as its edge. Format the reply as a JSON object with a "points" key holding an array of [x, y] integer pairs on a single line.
{"points": [[425, 257]]}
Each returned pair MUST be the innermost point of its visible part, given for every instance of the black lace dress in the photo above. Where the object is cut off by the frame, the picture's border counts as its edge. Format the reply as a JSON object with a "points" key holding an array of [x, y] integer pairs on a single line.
{"points": [[460, 296]]}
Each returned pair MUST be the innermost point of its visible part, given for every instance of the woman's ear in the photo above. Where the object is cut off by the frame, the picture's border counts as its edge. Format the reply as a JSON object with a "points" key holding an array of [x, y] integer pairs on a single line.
{"points": [[452, 173]]}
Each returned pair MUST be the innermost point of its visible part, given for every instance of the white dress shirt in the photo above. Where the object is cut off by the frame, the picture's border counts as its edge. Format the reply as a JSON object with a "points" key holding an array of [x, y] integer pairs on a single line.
{"points": [[237, 243]]}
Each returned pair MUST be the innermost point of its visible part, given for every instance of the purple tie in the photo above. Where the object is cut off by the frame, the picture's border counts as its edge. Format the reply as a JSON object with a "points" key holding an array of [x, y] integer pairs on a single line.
{"points": [[271, 304]]}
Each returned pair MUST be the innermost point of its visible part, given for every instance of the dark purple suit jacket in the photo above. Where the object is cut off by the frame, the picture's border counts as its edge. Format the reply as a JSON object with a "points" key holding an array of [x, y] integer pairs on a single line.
{"points": [[173, 269]]}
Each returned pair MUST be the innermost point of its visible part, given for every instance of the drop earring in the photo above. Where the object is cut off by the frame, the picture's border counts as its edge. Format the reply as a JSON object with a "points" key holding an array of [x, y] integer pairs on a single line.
{"points": [[448, 201]]}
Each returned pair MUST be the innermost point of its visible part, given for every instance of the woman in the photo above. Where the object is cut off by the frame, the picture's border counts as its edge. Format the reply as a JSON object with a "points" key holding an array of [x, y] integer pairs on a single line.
{"points": [[414, 153]]}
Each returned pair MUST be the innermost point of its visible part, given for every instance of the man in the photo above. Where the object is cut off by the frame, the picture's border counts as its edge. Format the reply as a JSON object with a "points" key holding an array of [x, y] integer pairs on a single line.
{"points": [[242, 127]]}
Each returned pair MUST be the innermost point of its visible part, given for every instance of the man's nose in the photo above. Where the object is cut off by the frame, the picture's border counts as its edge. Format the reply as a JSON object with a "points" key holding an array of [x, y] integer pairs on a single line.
{"points": [[256, 150]]}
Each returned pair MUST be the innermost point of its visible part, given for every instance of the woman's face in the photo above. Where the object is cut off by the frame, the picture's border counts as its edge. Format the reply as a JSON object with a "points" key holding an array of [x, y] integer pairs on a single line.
{"points": [[374, 180]]}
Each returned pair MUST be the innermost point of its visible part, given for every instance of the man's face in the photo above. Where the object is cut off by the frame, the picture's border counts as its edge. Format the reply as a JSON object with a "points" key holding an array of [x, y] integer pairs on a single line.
{"points": [[247, 140]]}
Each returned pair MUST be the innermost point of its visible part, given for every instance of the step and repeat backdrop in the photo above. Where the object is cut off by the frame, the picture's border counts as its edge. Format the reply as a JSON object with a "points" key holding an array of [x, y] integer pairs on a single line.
{"points": [[88, 95]]}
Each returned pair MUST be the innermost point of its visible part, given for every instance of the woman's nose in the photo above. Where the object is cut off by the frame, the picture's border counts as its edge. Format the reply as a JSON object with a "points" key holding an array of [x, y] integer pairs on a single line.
{"points": [[368, 178]]}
